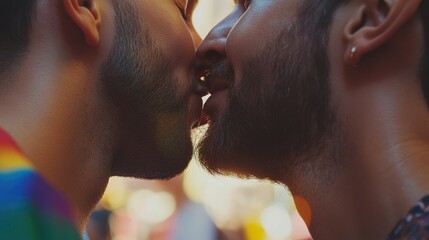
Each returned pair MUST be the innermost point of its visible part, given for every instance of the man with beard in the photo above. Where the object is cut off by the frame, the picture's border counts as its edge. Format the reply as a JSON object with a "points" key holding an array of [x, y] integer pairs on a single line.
{"points": [[90, 89], [328, 97]]}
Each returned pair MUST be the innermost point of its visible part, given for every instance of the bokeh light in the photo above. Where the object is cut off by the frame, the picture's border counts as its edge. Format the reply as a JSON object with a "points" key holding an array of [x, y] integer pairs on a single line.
{"points": [[151, 207], [276, 222]]}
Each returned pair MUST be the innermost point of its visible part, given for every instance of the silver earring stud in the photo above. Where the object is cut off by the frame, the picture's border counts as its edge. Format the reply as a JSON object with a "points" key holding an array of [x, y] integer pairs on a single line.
{"points": [[353, 56]]}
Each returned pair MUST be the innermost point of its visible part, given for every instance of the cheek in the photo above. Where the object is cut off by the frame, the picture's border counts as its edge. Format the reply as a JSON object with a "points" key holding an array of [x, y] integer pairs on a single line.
{"points": [[245, 41], [244, 38], [173, 38], [107, 36], [260, 25], [177, 42], [180, 50], [170, 33]]}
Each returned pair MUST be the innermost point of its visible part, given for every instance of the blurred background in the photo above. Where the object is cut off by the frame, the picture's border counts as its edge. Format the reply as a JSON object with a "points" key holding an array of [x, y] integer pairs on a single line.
{"points": [[197, 205]]}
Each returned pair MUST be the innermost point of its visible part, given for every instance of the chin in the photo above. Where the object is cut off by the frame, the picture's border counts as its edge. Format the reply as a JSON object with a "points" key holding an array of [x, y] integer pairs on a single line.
{"points": [[153, 164]]}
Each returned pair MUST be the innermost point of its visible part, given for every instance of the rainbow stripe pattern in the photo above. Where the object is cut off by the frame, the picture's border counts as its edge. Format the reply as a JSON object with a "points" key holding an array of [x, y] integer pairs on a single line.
{"points": [[30, 208]]}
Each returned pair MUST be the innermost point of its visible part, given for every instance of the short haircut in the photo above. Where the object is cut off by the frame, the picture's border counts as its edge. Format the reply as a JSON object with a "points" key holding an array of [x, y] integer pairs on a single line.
{"points": [[15, 27]]}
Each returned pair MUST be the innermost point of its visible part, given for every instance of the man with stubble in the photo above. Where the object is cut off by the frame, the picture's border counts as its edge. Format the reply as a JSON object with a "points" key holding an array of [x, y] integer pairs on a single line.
{"points": [[330, 98], [90, 89]]}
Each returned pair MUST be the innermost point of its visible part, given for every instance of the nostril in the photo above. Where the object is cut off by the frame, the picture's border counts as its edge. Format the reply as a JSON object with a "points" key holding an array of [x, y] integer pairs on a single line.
{"points": [[211, 50], [213, 56]]}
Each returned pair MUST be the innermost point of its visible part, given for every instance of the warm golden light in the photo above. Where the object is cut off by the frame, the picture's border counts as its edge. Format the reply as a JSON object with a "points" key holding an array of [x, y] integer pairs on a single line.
{"points": [[209, 12], [260, 210]]}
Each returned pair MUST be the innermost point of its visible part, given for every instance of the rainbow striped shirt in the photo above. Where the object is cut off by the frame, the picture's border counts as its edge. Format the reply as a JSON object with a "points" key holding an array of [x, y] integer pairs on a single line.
{"points": [[30, 208]]}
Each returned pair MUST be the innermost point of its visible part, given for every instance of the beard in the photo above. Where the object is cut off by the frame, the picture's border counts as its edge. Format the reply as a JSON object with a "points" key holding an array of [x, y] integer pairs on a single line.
{"points": [[280, 114], [153, 139]]}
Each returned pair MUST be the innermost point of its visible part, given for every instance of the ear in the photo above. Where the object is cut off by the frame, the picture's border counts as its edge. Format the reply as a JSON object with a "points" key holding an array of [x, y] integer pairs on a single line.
{"points": [[86, 15], [374, 23]]}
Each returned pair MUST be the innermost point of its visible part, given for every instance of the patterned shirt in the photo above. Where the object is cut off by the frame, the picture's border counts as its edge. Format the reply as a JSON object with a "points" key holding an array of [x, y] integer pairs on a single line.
{"points": [[414, 226], [30, 208]]}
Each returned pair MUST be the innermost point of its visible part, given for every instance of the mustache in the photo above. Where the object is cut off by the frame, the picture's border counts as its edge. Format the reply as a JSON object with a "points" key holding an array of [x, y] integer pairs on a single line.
{"points": [[222, 69]]}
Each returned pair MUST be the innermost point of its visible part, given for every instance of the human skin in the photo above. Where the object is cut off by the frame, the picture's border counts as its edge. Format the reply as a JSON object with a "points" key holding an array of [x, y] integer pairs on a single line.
{"points": [[72, 125], [293, 105]]}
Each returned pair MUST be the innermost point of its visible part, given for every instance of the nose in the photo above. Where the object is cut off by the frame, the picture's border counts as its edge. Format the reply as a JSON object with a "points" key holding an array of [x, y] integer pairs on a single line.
{"points": [[213, 47]]}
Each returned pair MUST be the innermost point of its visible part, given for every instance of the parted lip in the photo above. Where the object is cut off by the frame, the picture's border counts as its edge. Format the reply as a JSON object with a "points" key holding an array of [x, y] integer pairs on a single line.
{"points": [[199, 86], [197, 111], [214, 80], [200, 90], [218, 84], [217, 78]]}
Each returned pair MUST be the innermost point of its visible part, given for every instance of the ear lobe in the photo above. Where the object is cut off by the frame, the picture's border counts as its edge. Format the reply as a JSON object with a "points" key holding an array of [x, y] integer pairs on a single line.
{"points": [[374, 24], [86, 15]]}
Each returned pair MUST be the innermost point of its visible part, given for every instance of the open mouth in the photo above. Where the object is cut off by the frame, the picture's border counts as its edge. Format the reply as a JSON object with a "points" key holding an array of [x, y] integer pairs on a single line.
{"points": [[216, 79]]}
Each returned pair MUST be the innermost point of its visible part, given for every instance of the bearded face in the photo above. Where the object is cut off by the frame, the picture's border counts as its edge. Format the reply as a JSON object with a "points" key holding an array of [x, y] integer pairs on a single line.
{"points": [[149, 99], [278, 109]]}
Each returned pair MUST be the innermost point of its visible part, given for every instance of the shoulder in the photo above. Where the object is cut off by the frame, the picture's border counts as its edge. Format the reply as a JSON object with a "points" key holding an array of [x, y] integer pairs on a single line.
{"points": [[416, 224], [30, 208]]}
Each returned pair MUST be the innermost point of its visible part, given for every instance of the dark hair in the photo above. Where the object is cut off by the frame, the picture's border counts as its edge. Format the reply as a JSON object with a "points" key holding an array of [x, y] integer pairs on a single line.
{"points": [[15, 25]]}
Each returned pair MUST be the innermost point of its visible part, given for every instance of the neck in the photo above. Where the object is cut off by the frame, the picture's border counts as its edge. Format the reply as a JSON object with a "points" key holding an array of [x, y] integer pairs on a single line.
{"points": [[367, 204], [50, 113], [383, 170]]}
